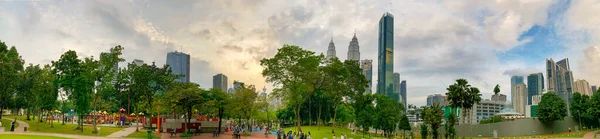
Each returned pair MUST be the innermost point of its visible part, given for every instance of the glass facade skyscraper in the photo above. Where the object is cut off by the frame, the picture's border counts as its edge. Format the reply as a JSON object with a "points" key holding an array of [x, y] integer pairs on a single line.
{"points": [[535, 83], [514, 80], [560, 79], [180, 64], [367, 69], [403, 93], [353, 49], [385, 57], [220, 82]]}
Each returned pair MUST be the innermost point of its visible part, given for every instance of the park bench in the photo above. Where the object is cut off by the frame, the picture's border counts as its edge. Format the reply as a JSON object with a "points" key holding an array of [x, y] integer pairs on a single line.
{"points": [[172, 132]]}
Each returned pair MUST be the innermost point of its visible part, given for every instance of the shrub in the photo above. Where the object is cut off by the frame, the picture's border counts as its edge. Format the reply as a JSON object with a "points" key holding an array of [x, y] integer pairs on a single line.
{"points": [[185, 135]]}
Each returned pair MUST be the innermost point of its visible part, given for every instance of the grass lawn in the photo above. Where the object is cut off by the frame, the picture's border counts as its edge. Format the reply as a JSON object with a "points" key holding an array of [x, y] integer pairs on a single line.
{"points": [[65, 129], [142, 134], [559, 135], [325, 132], [10, 136], [6, 124]]}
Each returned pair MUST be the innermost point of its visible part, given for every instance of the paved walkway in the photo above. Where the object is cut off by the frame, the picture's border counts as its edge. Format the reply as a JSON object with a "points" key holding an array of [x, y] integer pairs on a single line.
{"points": [[589, 135], [21, 127], [122, 133]]}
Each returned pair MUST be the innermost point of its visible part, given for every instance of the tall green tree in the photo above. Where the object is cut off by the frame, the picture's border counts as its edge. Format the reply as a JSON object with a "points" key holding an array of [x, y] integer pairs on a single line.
{"points": [[450, 131], [433, 116], [297, 72], [30, 86], [220, 100], [243, 101], [464, 96], [84, 88], [106, 77], [579, 106], [551, 108], [365, 111], [424, 131], [593, 112], [186, 96], [67, 71], [388, 114], [404, 125], [11, 64]]}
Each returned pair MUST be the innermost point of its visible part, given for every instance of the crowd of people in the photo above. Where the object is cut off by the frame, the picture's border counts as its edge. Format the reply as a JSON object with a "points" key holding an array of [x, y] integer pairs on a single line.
{"points": [[292, 135]]}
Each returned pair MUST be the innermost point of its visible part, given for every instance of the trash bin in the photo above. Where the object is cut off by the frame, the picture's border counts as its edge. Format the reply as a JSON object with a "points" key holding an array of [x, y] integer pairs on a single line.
{"points": [[149, 134]]}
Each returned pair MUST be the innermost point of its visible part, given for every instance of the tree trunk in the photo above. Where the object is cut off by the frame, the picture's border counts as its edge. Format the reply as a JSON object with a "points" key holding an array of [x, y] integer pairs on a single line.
{"points": [[309, 114], [334, 118], [28, 112], [220, 119], [319, 116], [298, 117]]}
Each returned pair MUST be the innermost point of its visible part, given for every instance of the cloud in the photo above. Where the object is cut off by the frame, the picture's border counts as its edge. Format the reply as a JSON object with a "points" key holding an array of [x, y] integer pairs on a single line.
{"points": [[520, 72]]}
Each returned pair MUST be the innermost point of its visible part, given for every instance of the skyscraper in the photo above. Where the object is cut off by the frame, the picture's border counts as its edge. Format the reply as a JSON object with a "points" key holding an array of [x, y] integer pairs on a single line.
{"points": [[403, 93], [180, 64], [437, 98], [386, 56], [583, 87], [367, 69], [353, 49], [594, 89], [331, 50], [514, 80], [535, 82], [560, 79], [237, 85], [519, 99], [397, 87], [220, 82]]}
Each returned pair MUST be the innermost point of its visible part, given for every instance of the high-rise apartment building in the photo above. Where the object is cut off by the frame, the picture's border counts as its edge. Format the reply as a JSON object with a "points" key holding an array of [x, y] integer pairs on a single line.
{"points": [[514, 80], [220, 82], [397, 86], [520, 97], [367, 69], [499, 97], [180, 65], [583, 87], [331, 50], [353, 49], [237, 85], [385, 56], [437, 98], [403, 93], [535, 84], [594, 89], [560, 80], [484, 110]]}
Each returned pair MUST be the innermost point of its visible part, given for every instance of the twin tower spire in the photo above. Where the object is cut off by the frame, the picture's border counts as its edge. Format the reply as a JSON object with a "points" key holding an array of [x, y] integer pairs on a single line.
{"points": [[353, 49]]}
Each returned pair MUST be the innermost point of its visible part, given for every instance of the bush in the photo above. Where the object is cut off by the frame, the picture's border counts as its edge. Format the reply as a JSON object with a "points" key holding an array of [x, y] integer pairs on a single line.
{"points": [[246, 134], [185, 135]]}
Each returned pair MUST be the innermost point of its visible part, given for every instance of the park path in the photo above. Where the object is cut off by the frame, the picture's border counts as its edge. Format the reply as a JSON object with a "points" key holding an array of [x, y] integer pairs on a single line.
{"points": [[20, 128], [122, 133], [589, 135]]}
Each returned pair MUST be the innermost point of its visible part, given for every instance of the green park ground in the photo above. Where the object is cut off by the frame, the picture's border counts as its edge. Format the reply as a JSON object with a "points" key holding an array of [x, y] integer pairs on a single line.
{"points": [[69, 128], [10, 136], [6, 124], [319, 132], [141, 134]]}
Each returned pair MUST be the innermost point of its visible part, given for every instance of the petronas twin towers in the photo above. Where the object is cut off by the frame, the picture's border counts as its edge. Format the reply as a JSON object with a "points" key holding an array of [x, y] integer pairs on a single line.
{"points": [[353, 49]]}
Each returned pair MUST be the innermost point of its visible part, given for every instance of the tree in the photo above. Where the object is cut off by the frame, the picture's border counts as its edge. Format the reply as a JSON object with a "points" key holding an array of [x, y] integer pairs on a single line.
{"points": [[450, 131], [433, 116], [388, 114], [11, 65], [424, 131], [243, 101], [493, 119], [66, 71], [579, 106], [30, 86], [497, 89], [593, 112], [84, 87], [404, 124], [297, 72], [345, 114], [463, 95], [187, 95], [105, 76], [551, 108], [220, 100], [365, 110]]}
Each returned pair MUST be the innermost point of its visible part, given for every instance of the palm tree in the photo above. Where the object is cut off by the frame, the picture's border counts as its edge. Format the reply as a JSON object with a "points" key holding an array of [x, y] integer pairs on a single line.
{"points": [[463, 95], [497, 89]]}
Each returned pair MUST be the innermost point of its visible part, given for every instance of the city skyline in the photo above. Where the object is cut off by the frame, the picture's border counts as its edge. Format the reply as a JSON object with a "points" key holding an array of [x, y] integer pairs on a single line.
{"points": [[433, 46]]}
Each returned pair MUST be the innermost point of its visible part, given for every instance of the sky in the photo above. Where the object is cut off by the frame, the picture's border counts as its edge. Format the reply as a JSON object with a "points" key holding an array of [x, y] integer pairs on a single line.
{"points": [[435, 41]]}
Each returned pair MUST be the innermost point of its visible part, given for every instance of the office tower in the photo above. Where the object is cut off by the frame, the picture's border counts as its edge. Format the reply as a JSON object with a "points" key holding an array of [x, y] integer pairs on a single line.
{"points": [[583, 87], [535, 100], [385, 56], [535, 84], [514, 80], [560, 80], [594, 89], [397, 86], [331, 50], [484, 110], [520, 97], [353, 49], [220, 82], [180, 65], [499, 97], [403, 92], [367, 69], [138, 62], [437, 98]]}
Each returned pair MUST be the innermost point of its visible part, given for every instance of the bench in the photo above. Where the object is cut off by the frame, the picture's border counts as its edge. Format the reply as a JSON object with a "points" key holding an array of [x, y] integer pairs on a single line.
{"points": [[172, 132]]}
